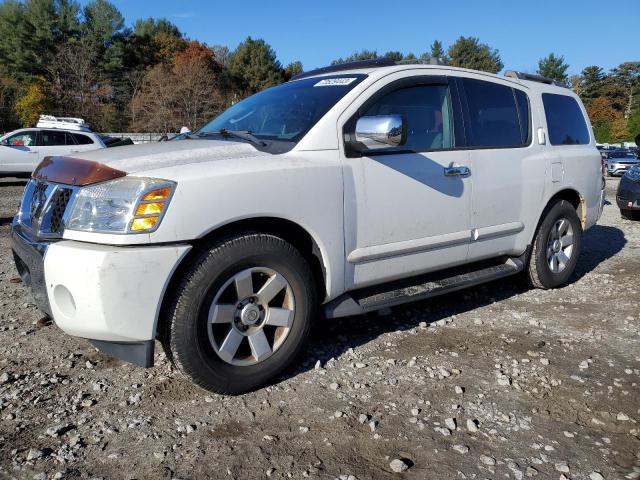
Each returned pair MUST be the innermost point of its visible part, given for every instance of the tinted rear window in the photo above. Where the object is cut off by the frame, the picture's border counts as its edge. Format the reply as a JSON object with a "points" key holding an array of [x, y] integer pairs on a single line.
{"points": [[82, 139], [494, 116], [565, 120]]}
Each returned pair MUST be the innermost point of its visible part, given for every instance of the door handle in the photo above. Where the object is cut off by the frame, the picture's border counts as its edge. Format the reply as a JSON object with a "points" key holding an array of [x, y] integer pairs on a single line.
{"points": [[457, 171], [31, 152]]}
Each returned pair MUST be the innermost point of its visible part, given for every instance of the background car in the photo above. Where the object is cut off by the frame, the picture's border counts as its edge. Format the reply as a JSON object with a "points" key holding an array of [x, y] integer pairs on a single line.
{"points": [[22, 150], [619, 161], [628, 195]]}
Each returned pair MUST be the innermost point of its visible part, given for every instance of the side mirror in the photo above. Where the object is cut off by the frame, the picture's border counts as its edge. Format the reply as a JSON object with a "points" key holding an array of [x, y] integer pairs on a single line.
{"points": [[379, 132], [4, 143]]}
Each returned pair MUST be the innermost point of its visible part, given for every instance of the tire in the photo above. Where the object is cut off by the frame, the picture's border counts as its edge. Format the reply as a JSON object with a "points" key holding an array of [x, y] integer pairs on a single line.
{"points": [[546, 252], [629, 214], [229, 274]]}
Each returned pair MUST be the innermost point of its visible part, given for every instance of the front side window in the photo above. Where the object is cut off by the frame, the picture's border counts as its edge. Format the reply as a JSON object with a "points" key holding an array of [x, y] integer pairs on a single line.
{"points": [[284, 114], [52, 138], [22, 139], [427, 111], [565, 121], [494, 117]]}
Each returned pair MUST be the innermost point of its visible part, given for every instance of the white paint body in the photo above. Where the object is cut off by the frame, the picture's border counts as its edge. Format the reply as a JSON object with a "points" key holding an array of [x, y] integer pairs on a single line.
{"points": [[24, 159], [374, 219]]}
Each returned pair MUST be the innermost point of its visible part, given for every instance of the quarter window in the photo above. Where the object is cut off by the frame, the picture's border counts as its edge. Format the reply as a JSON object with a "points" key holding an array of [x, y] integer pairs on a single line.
{"points": [[565, 121], [495, 118], [82, 139], [427, 111]]}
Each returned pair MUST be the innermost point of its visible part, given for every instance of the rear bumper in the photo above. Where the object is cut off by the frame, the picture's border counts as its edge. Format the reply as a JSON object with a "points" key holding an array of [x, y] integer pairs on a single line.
{"points": [[109, 295], [629, 202]]}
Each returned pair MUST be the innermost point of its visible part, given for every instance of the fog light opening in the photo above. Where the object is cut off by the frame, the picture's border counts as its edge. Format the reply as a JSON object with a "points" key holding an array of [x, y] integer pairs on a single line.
{"points": [[64, 300]]}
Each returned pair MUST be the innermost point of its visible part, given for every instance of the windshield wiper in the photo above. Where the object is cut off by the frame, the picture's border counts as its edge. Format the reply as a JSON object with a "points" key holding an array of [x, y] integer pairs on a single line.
{"points": [[242, 134]]}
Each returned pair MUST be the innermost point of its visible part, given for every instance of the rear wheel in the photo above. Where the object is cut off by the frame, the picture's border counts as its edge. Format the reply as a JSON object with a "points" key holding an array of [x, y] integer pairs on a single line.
{"points": [[241, 314], [556, 246]]}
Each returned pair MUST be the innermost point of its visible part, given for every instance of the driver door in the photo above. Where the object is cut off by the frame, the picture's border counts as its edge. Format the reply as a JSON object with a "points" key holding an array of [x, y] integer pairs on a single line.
{"points": [[21, 153], [407, 211]]}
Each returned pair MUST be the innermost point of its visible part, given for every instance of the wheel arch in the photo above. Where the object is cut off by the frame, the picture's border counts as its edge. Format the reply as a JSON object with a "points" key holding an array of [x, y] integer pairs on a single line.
{"points": [[288, 230], [574, 198]]}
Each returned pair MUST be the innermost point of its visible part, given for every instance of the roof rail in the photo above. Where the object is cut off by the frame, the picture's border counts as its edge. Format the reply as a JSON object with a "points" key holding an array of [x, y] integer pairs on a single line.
{"points": [[534, 78], [376, 62]]}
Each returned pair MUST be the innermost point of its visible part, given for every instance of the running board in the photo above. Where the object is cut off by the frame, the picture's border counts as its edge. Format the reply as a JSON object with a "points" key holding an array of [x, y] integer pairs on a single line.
{"points": [[420, 288]]}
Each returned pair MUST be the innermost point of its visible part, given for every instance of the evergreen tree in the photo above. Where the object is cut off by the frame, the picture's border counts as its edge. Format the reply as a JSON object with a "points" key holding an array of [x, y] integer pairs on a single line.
{"points": [[554, 67], [468, 52]]}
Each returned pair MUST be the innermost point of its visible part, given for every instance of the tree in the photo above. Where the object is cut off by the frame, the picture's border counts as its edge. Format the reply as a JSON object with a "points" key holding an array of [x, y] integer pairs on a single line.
{"points": [[437, 51], [293, 69], [468, 52], [151, 27], [7, 101], [395, 55], [184, 92], [255, 67], [102, 21], [627, 75], [553, 66], [591, 82], [78, 86], [31, 105], [356, 57]]}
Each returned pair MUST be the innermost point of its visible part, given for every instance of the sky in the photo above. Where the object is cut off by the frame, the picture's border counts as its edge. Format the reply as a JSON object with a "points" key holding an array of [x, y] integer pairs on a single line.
{"points": [[585, 32]]}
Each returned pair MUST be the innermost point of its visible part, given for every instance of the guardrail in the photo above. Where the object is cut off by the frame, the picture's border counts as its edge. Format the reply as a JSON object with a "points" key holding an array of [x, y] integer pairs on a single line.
{"points": [[140, 137]]}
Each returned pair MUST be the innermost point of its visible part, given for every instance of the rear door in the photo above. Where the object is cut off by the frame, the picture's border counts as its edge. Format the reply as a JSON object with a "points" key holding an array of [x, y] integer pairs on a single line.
{"points": [[508, 167], [56, 142], [21, 154]]}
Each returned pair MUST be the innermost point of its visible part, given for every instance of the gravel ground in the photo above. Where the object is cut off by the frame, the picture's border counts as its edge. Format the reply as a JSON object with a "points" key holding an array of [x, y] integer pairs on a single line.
{"points": [[495, 382]]}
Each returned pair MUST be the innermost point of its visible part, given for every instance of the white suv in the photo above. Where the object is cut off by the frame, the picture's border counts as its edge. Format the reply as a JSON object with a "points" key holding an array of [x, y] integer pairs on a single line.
{"points": [[345, 190], [22, 150]]}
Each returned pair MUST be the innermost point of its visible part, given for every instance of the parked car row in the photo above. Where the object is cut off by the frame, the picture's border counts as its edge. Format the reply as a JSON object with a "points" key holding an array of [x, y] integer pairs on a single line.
{"points": [[615, 162]]}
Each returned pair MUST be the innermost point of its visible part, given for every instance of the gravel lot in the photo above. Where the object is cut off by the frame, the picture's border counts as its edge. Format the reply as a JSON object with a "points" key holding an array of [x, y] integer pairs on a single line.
{"points": [[497, 381]]}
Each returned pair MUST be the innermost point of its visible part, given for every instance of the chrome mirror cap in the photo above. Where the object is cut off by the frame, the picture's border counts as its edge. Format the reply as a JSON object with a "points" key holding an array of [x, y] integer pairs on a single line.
{"points": [[381, 131]]}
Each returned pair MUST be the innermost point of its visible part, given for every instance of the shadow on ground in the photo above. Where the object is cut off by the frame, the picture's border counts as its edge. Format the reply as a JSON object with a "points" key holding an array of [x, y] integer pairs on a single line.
{"points": [[331, 338]]}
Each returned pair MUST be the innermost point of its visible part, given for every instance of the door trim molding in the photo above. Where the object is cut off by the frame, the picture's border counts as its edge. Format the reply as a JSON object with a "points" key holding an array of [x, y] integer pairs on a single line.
{"points": [[501, 230], [418, 245]]}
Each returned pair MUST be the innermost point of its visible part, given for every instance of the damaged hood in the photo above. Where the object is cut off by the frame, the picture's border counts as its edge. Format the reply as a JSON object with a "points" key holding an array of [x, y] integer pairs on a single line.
{"points": [[151, 156]]}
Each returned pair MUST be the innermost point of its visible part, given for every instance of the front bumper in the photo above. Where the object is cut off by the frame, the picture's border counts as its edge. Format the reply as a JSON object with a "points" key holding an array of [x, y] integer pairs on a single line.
{"points": [[109, 295], [620, 168], [628, 201]]}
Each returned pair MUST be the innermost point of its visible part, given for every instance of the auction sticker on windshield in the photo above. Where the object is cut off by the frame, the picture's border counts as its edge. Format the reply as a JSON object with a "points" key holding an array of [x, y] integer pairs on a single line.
{"points": [[330, 82]]}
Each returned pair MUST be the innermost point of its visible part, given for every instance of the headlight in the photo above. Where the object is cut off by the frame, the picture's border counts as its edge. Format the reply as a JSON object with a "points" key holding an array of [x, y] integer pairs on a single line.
{"points": [[124, 205]]}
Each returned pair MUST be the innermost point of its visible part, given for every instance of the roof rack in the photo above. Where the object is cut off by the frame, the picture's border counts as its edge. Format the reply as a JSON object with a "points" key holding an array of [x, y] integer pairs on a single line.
{"points": [[534, 78], [376, 62], [65, 123]]}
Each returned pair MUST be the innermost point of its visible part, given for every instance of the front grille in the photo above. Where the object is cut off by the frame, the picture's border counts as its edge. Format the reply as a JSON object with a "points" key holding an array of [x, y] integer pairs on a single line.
{"points": [[57, 211], [44, 206]]}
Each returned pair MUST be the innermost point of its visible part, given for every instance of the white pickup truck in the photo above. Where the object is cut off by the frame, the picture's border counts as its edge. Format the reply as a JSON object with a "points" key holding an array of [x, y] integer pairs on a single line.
{"points": [[348, 189]]}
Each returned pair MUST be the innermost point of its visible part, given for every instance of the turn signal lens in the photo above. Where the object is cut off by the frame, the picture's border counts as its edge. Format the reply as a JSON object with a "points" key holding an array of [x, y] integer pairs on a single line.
{"points": [[153, 208], [159, 194], [145, 223]]}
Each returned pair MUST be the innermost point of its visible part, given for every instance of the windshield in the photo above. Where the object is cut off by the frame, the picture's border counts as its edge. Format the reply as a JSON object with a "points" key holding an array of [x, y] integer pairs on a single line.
{"points": [[284, 113], [622, 155]]}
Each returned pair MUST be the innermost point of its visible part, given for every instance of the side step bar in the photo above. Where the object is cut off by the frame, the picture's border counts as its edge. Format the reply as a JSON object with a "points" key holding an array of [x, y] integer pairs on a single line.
{"points": [[420, 288]]}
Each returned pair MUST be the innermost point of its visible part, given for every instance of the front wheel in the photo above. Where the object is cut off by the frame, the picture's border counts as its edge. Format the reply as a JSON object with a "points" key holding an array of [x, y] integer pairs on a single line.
{"points": [[241, 314], [556, 246]]}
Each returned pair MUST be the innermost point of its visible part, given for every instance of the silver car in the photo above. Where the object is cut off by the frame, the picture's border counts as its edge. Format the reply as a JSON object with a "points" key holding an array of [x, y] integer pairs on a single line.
{"points": [[620, 161]]}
